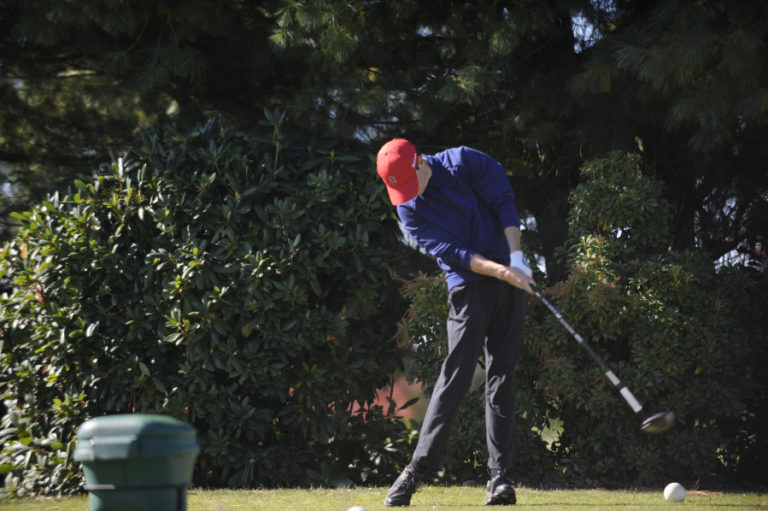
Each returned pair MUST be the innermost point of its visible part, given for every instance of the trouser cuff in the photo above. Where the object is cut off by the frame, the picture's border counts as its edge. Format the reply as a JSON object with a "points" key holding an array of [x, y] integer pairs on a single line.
{"points": [[498, 472]]}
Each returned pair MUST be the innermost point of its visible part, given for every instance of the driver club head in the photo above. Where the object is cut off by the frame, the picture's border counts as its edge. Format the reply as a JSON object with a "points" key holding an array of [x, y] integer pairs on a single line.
{"points": [[658, 423]]}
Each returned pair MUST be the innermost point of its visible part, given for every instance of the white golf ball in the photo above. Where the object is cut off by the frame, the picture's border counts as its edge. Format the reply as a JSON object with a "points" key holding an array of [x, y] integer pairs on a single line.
{"points": [[357, 508], [674, 492]]}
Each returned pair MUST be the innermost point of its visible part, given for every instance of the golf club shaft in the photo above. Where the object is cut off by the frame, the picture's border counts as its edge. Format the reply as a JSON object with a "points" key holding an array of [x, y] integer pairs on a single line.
{"points": [[623, 390]]}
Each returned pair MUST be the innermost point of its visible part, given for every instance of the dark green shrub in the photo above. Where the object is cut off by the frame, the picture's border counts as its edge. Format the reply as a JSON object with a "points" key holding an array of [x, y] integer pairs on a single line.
{"points": [[681, 334], [619, 204], [235, 281]]}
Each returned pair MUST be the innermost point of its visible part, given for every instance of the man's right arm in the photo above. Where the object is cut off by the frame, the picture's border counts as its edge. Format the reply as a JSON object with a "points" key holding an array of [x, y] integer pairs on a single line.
{"points": [[513, 276], [439, 243], [436, 241]]}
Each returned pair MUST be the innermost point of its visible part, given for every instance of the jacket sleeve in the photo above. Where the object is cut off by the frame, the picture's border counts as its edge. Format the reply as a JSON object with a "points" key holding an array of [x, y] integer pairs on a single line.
{"points": [[436, 241], [489, 180]]}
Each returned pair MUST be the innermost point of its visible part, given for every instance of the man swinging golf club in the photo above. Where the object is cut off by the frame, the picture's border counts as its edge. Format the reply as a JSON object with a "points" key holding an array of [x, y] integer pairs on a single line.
{"points": [[459, 206]]}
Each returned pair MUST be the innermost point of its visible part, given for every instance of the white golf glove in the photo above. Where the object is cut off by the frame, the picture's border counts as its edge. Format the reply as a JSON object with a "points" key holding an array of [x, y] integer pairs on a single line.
{"points": [[517, 260]]}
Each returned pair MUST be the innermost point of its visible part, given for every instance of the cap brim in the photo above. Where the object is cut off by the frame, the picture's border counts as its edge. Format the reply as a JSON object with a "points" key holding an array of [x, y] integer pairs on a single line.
{"points": [[404, 192]]}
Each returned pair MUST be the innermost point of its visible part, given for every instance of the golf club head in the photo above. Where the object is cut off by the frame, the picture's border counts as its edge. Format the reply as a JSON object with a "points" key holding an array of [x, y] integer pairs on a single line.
{"points": [[658, 423]]}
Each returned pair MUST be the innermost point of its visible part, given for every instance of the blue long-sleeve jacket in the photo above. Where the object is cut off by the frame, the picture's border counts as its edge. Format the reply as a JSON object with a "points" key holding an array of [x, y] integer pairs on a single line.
{"points": [[464, 210]]}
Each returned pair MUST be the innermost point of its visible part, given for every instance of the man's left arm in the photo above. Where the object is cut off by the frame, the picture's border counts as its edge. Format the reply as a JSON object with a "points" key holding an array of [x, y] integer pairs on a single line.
{"points": [[491, 184], [488, 179], [516, 257], [513, 238], [516, 274]]}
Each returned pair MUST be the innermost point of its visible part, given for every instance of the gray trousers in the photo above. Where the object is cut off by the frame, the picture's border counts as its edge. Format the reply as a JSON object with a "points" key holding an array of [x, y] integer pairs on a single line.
{"points": [[487, 315]]}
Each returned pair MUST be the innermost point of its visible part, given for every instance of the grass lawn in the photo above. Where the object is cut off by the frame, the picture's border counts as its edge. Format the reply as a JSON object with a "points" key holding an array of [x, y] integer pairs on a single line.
{"points": [[428, 498]]}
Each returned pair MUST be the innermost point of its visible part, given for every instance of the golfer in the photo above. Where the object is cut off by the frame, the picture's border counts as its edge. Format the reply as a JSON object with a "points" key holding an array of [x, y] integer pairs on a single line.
{"points": [[459, 206]]}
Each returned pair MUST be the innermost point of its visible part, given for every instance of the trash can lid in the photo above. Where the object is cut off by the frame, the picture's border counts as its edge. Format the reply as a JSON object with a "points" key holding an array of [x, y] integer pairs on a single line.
{"points": [[134, 436]]}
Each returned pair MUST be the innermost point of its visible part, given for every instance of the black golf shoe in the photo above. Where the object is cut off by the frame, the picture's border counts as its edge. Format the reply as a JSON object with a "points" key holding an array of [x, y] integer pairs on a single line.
{"points": [[405, 486], [499, 492]]}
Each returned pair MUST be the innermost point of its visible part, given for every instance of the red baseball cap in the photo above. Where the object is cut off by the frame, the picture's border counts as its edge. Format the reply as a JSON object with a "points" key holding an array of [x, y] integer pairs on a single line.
{"points": [[396, 164]]}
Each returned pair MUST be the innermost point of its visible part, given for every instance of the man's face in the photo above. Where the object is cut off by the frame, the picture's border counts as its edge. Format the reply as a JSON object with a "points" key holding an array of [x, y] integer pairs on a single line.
{"points": [[423, 173]]}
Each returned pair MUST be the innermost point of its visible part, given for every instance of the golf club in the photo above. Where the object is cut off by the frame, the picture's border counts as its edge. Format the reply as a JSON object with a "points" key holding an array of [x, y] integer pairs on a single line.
{"points": [[656, 423]]}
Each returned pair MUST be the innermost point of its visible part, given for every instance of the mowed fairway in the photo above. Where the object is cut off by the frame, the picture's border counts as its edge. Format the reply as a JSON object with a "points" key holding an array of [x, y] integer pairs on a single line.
{"points": [[427, 498]]}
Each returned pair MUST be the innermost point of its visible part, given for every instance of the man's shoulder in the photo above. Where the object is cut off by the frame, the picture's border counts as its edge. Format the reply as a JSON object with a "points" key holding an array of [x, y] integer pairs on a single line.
{"points": [[453, 153], [406, 211], [456, 157]]}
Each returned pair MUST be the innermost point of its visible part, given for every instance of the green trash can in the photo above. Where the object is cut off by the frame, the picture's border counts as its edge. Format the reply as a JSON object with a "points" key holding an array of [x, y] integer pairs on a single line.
{"points": [[137, 462]]}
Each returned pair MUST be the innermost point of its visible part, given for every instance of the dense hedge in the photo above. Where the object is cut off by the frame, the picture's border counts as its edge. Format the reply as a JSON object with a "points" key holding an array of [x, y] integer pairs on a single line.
{"points": [[239, 282], [235, 281], [682, 334]]}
